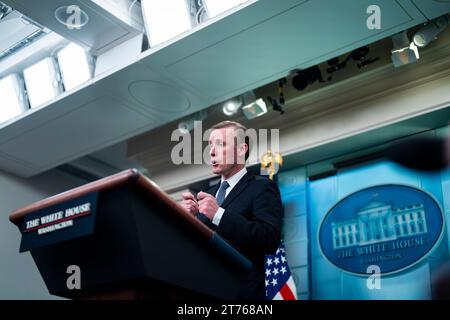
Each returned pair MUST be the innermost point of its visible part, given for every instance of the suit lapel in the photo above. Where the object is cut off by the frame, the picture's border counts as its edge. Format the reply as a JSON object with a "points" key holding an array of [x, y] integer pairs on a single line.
{"points": [[241, 185]]}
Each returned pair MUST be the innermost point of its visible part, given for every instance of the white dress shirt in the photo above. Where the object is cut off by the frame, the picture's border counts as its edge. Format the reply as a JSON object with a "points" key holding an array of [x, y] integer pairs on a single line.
{"points": [[232, 181]]}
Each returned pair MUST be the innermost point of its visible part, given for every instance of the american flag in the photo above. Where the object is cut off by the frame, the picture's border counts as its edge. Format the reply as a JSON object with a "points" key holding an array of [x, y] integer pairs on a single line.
{"points": [[279, 282]]}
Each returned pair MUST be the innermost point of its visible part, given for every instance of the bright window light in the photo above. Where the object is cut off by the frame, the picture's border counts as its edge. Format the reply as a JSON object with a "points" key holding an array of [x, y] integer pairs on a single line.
{"points": [[74, 66], [11, 105], [216, 7], [165, 19], [40, 80]]}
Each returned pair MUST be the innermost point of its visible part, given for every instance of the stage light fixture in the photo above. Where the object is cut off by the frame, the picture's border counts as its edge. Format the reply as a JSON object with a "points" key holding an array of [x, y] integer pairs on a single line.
{"points": [[189, 123], [232, 106], [303, 78], [360, 55], [404, 51], [276, 106], [255, 109], [429, 32]]}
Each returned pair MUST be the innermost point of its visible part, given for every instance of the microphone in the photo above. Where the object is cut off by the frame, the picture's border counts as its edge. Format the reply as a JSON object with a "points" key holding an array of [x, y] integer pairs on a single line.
{"points": [[424, 153]]}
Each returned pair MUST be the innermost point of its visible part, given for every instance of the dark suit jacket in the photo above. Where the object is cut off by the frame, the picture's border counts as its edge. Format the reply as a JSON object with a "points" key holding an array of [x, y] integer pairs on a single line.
{"points": [[252, 224]]}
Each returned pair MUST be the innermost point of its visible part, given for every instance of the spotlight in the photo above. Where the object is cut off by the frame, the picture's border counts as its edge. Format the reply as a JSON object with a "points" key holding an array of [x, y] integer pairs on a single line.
{"points": [[191, 122], [335, 65], [306, 77], [360, 55], [366, 62], [404, 51], [231, 107], [275, 105], [184, 127], [428, 33], [255, 109]]}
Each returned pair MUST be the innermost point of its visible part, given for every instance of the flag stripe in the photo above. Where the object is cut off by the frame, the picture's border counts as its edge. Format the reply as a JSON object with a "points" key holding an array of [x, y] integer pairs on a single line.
{"points": [[279, 282], [286, 293], [292, 286]]}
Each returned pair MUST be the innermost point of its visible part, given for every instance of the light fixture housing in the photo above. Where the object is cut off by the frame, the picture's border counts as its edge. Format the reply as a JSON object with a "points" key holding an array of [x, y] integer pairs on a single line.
{"points": [[429, 32], [42, 82], [306, 77], [404, 51], [255, 109], [232, 106], [166, 19], [12, 97], [189, 123], [75, 66], [216, 7]]}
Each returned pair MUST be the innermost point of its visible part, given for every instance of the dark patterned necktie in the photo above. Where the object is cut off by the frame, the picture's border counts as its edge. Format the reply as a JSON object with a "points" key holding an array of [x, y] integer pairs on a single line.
{"points": [[221, 193]]}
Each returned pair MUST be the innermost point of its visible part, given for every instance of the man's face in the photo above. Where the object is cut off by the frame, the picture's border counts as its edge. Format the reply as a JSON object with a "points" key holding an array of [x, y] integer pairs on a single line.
{"points": [[223, 151]]}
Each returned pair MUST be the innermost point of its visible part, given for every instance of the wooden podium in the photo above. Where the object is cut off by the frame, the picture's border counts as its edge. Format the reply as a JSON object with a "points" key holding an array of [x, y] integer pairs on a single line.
{"points": [[131, 242]]}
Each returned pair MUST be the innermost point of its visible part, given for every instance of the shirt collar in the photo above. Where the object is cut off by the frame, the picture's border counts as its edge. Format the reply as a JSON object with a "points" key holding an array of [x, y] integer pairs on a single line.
{"points": [[232, 181]]}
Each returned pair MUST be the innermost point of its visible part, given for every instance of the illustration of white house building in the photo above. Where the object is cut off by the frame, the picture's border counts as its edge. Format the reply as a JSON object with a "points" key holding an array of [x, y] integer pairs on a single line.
{"points": [[378, 222]]}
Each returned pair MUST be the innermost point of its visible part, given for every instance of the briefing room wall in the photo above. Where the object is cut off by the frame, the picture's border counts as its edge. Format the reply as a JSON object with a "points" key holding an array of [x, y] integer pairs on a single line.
{"points": [[329, 282], [19, 277], [292, 184], [307, 202], [445, 176]]}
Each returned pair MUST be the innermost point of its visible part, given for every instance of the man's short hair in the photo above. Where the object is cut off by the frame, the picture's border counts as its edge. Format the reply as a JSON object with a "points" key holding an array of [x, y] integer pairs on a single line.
{"points": [[240, 128]]}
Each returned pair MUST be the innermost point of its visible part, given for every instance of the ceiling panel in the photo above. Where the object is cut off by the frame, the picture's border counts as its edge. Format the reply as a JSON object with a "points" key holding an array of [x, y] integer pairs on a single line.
{"points": [[433, 8], [221, 58], [295, 38], [76, 133], [103, 30], [152, 93], [21, 29]]}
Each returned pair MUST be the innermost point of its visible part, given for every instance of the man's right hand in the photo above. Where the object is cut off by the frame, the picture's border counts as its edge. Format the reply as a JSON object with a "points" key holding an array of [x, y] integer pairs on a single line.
{"points": [[189, 203]]}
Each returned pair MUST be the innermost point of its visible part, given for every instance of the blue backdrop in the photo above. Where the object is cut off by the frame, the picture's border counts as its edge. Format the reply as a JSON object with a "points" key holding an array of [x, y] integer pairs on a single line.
{"points": [[306, 204]]}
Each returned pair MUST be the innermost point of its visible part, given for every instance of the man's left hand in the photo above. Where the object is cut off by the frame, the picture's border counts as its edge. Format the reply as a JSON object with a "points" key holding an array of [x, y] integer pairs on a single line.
{"points": [[207, 204]]}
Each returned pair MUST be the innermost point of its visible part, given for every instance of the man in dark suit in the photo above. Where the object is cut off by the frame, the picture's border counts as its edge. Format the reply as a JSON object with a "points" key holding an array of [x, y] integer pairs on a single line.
{"points": [[244, 209]]}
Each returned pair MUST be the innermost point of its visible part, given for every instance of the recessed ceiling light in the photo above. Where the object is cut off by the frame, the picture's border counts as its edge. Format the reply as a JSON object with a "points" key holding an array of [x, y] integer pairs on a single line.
{"points": [[11, 92], [165, 19], [74, 66], [428, 33], [41, 83], [231, 107]]}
